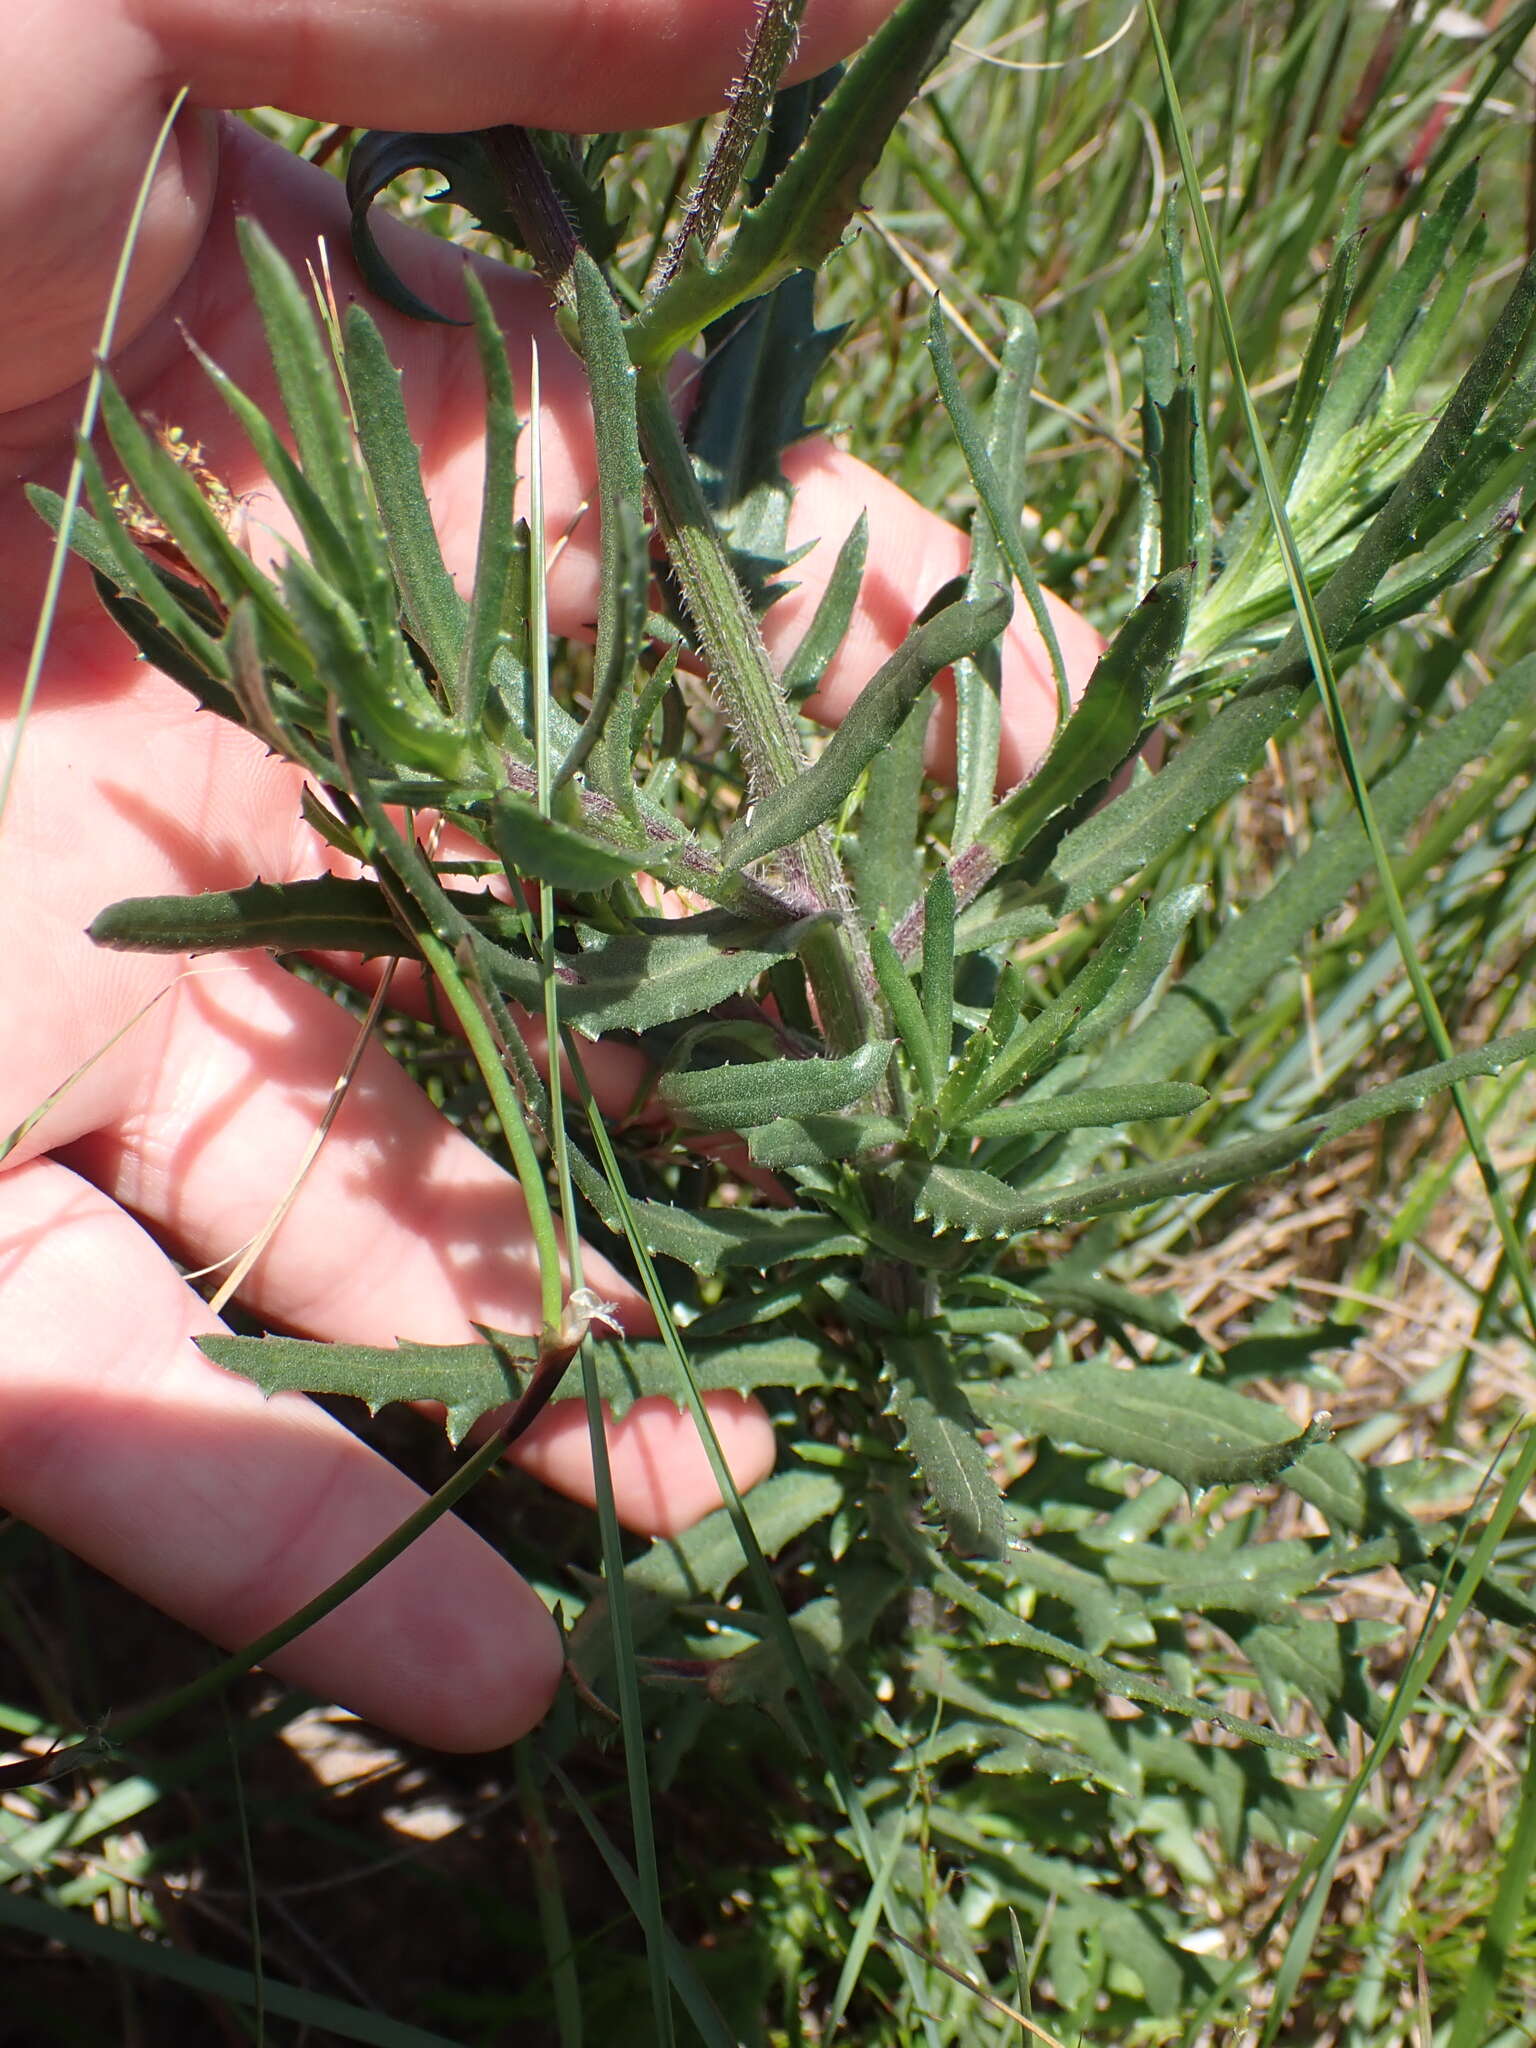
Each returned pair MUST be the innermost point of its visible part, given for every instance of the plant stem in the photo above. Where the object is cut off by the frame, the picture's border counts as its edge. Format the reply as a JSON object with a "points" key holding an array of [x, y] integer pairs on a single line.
{"points": [[773, 44], [761, 720]]}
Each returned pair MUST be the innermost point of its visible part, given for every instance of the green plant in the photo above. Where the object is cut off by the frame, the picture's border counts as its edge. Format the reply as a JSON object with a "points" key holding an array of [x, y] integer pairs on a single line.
{"points": [[974, 1558]]}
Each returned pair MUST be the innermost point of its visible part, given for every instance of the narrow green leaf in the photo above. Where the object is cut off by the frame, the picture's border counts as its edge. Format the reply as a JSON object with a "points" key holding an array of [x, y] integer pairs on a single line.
{"points": [[325, 915], [980, 1205], [1029, 1052], [306, 379], [622, 592], [1003, 1626], [497, 601], [544, 849], [1001, 502], [434, 611], [1136, 1103], [803, 671], [1104, 729], [871, 723], [940, 1429], [906, 1013], [375, 685], [734, 1098], [815, 1140], [887, 859], [939, 965]]}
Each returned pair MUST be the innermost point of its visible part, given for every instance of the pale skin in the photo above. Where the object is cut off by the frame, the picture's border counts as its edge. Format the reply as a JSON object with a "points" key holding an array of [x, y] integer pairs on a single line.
{"points": [[116, 1436]]}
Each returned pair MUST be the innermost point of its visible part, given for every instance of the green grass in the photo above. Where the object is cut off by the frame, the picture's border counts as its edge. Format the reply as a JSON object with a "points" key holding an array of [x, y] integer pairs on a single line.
{"points": [[1104, 1871]]}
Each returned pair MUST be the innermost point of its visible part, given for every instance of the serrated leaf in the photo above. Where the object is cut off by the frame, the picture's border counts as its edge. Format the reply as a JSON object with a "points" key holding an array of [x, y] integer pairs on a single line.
{"points": [[940, 1429], [379, 157], [633, 983], [734, 1098], [471, 1380], [1200, 1433], [712, 1241], [325, 915], [1000, 1625]]}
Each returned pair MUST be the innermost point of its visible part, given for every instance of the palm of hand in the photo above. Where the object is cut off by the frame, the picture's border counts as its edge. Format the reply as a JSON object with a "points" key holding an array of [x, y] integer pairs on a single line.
{"points": [[191, 1095]]}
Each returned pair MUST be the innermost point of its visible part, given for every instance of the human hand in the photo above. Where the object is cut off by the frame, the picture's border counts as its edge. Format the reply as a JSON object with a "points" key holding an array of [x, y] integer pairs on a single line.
{"points": [[204, 1086]]}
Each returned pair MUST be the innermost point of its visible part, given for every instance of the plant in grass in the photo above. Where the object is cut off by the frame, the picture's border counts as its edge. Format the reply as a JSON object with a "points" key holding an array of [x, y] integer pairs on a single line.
{"points": [[1014, 1574]]}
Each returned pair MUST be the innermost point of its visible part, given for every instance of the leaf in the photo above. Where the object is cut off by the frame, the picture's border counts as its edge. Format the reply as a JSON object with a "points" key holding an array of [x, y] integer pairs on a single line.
{"points": [[434, 610], [786, 814], [701, 1564], [712, 1241], [1093, 1106], [633, 983], [939, 965], [980, 1205], [808, 209], [940, 1430], [326, 915], [1149, 818], [625, 580], [1200, 1433], [471, 1380], [887, 859], [1263, 1579], [306, 379], [1000, 1625], [382, 155], [1242, 958], [802, 673], [1001, 501], [1112, 716], [736, 1097], [814, 1140], [906, 1012], [496, 601], [544, 849], [629, 982], [374, 682], [976, 1084]]}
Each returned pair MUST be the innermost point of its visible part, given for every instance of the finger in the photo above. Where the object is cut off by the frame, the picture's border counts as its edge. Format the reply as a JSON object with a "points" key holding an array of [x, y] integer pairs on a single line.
{"points": [[89, 82], [202, 1111], [401, 1228], [229, 1511]]}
